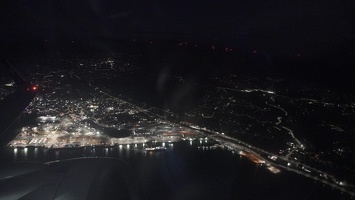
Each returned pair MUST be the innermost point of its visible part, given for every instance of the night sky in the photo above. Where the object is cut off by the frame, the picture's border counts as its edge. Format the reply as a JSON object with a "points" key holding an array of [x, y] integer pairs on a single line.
{"points": [[278, 27]]}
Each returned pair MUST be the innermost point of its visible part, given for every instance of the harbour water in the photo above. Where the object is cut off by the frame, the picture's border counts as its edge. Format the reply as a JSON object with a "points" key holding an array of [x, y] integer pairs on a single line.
{"points": [[185, 171]]}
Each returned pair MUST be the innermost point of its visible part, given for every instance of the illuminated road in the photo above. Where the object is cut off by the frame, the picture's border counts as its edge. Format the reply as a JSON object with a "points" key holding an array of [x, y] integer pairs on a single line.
{"points": [[286, 162], [283, 162]]}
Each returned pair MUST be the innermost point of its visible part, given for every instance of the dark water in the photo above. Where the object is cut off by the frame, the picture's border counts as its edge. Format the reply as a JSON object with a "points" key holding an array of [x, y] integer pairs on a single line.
{"points": [[186, 172]]}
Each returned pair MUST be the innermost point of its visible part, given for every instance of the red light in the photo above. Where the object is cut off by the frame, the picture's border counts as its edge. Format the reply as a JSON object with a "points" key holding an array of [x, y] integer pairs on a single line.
{"points": [[34, 88]]}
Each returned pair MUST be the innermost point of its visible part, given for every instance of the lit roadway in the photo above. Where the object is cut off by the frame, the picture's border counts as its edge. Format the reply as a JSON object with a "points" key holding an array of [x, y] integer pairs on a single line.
{"points": [[282, 161], [121, 100]]}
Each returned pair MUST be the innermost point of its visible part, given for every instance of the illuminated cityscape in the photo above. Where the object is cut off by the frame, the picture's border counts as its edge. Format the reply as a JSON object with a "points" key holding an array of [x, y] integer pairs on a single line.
{"points": [[72, 112], [177, 100]]}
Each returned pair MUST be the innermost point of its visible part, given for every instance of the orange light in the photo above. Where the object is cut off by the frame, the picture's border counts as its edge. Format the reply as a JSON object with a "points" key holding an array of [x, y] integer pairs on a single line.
{"points": [[34, 88]]}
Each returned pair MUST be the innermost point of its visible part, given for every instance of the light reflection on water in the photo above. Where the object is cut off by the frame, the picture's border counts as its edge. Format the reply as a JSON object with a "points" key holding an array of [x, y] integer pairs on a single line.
{"points": [[200, 164], [57, 152], [41, 154], [15, 153], [36, 153]]}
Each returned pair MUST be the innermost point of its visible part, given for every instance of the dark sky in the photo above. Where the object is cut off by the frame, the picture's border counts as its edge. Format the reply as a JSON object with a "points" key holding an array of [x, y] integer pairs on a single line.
{"points": [[278, 26]]}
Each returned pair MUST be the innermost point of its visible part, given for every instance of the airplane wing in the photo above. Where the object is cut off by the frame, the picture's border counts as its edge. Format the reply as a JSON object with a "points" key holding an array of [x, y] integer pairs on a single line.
{"points": [[83, 178]]}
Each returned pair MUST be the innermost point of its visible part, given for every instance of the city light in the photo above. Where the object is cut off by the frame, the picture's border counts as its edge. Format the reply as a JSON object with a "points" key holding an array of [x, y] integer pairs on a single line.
{"points": [[73, 123]]}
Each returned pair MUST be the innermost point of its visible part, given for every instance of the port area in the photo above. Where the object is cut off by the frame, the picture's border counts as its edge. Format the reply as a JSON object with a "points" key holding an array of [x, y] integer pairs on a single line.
{"points": [[64, 132], [252, 157]]}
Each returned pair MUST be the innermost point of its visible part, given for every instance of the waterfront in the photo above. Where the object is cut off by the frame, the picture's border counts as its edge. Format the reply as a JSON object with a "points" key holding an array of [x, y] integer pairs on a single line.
{"points": [[186, 171], [245, 125]]}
